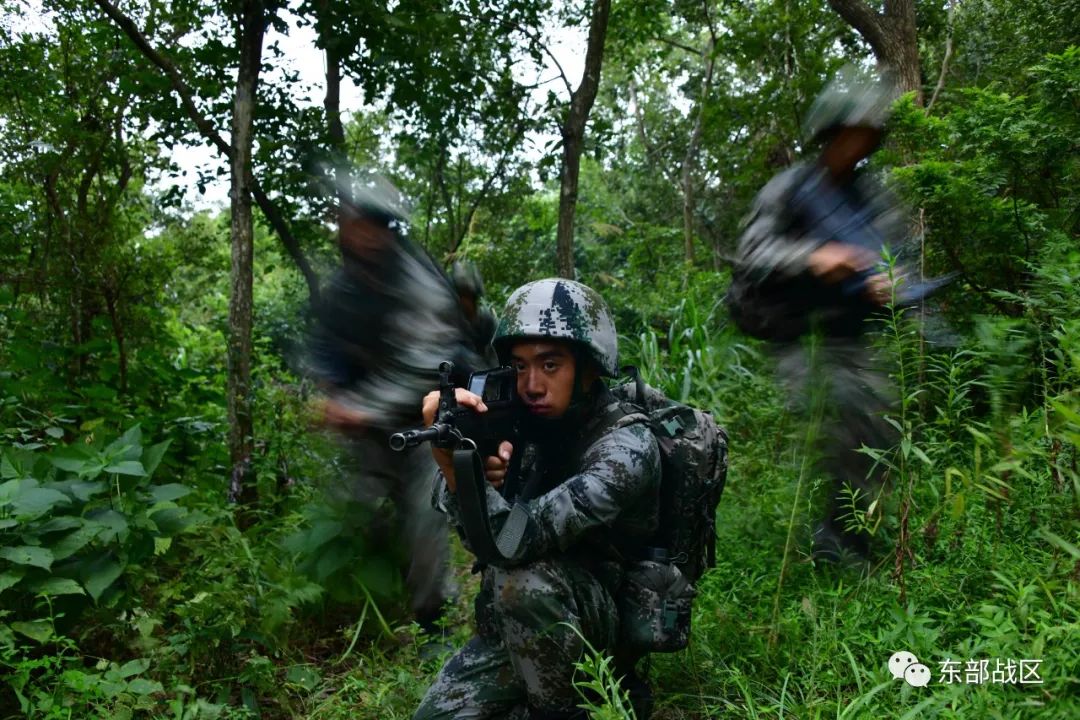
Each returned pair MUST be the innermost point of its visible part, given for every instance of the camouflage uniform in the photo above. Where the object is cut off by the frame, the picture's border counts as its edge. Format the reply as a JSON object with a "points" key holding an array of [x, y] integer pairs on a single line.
{"points": [[825, 362], [597, 492], [383, 326]]}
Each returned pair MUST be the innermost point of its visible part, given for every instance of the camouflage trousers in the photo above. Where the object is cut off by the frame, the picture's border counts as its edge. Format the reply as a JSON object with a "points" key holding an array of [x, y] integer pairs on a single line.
{"points": [[840, 385], [533, 622], [406, 478]]}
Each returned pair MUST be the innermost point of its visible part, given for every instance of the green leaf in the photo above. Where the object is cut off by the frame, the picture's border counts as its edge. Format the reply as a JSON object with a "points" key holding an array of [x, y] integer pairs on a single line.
{"points": [[10, 578], [91, 424], [162, 545], [58, 586], [127, 467], [76, 541], [172, 491], [58, 524], [171, 521], [100, 574], [28, 555], [151, 457], [54, 432], [126, 447], [36, 501], [8, 523], [7, 638], [134, 667], [11, 489], [142, 686], [305, 676], [38, 630], [86, 490], [17, 463], [7, 470], [114, 526], [73, 458], [1059, 542]]}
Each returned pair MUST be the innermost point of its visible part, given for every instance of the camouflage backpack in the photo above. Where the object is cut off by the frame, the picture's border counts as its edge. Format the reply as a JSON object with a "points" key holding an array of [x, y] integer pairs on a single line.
{"points": [[656, 599]]}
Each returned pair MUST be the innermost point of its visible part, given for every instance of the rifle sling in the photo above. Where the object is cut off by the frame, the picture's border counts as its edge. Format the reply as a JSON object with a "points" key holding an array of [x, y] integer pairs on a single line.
{"points": [[472, 502]]}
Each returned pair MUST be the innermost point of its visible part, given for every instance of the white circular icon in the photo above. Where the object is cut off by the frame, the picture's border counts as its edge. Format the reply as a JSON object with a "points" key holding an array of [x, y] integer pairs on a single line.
{"points": [[899, 662], [917, 675]]}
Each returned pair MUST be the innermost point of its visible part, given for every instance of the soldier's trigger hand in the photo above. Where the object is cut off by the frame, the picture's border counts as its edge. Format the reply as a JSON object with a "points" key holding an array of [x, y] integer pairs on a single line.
{"points": [[833, 261], [495, 467], [444, 458], [879, 289], [463, 397]]}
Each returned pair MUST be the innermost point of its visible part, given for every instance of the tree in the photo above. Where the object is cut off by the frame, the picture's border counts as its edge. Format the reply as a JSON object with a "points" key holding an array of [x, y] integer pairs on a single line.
{"points": [[249, 23], [573, 134], [74, 175], [251, 28], [892, 36]]}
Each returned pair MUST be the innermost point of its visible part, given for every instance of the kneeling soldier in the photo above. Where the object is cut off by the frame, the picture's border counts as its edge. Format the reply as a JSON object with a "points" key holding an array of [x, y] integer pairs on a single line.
{"points": [[590, 490]]}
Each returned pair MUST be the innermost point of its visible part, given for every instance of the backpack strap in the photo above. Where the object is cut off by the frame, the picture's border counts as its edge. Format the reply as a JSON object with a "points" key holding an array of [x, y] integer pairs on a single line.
{"points": [[634, 374]]}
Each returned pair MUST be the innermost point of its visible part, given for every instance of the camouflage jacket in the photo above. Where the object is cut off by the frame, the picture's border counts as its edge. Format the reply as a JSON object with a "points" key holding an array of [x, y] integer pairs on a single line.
{"points": [[777, 241], [381, 333], [600, 496]]}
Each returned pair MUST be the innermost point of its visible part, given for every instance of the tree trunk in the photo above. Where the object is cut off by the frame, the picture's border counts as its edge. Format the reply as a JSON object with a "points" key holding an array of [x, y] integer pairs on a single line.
{"points": [[891, 35], [573, 135], [332, 101], [111, 292], [241, 435], [690, 159]]}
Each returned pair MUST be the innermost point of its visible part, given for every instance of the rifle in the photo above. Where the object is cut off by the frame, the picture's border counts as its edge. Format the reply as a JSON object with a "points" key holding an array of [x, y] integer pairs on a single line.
{"points": [[834, 217], [459, 427], [472, 435]]}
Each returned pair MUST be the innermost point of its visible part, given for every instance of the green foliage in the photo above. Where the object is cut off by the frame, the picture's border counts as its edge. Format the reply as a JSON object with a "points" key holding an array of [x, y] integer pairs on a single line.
{"points": [[76, 517], [79, 523], [113, 317], [997, 180]]}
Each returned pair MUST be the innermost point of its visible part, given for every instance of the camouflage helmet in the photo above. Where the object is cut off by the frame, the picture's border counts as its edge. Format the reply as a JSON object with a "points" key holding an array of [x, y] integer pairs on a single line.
{"points": [[852, 99], [562, 309], [467, 279]]}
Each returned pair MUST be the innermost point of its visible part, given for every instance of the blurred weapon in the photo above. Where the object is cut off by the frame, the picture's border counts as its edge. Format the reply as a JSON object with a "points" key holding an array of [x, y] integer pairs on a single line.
{"points": [[833, 216]]}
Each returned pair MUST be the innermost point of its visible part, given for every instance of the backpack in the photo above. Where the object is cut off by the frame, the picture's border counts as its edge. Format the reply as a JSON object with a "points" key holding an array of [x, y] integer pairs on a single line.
{"points": [[655, 601]]}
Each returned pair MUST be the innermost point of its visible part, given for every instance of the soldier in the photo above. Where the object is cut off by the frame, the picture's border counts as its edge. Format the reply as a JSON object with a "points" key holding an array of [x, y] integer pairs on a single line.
{"points": [[808, 277], [591, 493], [481, 321], [387, 317]]}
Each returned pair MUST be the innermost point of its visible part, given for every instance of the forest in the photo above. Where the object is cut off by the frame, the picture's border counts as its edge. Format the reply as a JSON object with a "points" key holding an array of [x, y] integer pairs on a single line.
{"points": [[167, 545]]}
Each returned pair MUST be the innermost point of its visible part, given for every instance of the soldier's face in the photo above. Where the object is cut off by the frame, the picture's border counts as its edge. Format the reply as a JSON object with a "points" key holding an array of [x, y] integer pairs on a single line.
{"points": [[468, 304], [848, 147], [546, 372], [363, 238]]}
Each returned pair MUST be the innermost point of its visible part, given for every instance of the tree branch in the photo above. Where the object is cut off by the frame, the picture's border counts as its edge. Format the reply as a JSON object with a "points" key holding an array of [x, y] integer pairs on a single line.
{"points": [[207, 130], [945, 60], [870, 24], [674, 43]]}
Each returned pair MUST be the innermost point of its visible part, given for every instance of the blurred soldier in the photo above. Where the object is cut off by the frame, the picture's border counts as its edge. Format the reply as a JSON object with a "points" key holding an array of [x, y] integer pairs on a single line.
{"points": [[481, 321], [386, 320], [808, 277], [590, 494]]}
